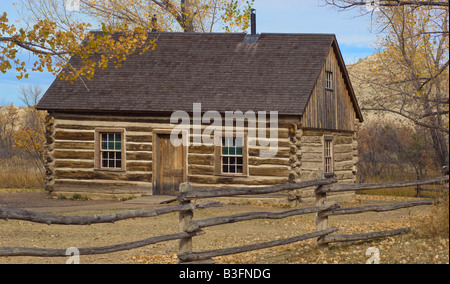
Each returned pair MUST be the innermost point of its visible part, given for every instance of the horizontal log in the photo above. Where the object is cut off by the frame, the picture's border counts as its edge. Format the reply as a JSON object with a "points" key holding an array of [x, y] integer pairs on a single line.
{"points": [[376, 208], [97, 187], [184, 196], [79, 155], [139, 156], [195, 256], [269, 171], [193, 226], [74, 145], [201, 170], [225, 180], [366, 236], [139, 138], [40, 252], [203, 160], [281, 152], [140, 166], [139, 147], [49, 219], [78, 136], [102, 183], [353, 187], [106, 175], [256, 161], [74, 164]]}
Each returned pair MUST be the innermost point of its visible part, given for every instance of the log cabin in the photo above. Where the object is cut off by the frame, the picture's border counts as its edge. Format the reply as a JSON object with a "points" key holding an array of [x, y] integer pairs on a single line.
{"points": [[111, 134]]}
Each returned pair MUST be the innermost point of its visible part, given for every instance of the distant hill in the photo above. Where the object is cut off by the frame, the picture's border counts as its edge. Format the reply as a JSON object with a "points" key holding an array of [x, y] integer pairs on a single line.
{"points": [[361, 76]]}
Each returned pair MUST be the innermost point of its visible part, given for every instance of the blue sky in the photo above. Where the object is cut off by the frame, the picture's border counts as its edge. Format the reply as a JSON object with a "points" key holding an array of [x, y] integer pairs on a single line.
{"points": [[273, 16]]}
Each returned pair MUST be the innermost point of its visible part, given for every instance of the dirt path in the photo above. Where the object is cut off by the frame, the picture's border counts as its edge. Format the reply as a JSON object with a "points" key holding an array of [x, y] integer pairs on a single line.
{"points": [[40, 202]]}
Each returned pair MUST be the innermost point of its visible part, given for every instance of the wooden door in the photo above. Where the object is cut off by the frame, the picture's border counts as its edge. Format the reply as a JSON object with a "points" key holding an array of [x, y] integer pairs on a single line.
{"points": [[169, 170]]}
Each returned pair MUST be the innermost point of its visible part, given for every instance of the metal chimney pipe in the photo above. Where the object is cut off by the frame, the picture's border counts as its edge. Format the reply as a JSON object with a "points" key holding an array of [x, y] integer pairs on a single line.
{"points": [[154, 23], [253, 21]]}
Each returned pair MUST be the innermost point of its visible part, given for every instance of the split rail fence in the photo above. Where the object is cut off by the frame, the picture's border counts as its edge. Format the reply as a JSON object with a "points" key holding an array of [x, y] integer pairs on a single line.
{"points": [[190, 228]]}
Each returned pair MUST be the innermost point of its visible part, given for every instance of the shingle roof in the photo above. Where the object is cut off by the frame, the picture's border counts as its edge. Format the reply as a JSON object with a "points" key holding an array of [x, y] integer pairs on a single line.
{"points": [[219, 71]]}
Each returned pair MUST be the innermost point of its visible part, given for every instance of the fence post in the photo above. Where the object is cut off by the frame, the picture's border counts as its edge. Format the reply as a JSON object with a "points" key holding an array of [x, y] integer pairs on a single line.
{"points": [[185, 217], [321, 221]]}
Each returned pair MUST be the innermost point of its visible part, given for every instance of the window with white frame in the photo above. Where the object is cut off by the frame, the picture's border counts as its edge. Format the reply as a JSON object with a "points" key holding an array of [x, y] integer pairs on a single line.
{"points": [[232, 155], [111, 151]]}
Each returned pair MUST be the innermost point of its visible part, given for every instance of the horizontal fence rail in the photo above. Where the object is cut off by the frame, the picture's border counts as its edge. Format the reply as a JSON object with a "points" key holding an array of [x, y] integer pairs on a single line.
{"points": [[190, 195], [49, 219], [189, 228], [198, 256], [376, 208], [363, 186]]}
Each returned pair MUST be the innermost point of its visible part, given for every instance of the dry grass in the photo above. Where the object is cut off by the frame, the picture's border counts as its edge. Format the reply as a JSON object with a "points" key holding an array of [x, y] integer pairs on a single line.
{"points": [[19, 173], [437, 223]]}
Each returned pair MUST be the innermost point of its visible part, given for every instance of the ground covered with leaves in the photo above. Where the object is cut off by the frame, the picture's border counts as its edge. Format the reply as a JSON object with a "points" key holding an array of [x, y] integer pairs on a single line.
{"points": [[428, 241]]}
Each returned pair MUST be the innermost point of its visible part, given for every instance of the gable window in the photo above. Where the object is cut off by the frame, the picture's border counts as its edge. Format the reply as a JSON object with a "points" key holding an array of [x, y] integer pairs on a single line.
{"points": [[329, 81], [231, 156], [110, 153], [328, 156]]}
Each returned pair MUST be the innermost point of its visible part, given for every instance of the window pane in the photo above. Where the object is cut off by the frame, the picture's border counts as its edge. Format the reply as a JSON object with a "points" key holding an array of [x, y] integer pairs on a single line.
{"points": [[225, 150], [111, 145], [239, 169], [118, 137], [225, 161], [238, 151], [240, 160], [118, 164], [111, 155], [225, 168], [118, 146], [111, 163], [232, 160], [232, 169], [104, 163], [232, 151]]}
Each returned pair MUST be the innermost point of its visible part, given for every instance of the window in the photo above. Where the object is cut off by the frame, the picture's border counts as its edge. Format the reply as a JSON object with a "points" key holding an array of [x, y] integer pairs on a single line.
{"points": [[110, 152], [329, 81], [232, 156], [328, 156]]}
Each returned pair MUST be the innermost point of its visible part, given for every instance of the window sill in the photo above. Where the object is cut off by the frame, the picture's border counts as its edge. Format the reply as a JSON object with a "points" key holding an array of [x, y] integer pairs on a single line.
{"points": [[232, 175], [110, 170]]}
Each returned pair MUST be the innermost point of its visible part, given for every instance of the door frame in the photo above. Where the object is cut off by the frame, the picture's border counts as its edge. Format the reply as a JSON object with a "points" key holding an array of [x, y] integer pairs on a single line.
{"points": [[156, 155]]}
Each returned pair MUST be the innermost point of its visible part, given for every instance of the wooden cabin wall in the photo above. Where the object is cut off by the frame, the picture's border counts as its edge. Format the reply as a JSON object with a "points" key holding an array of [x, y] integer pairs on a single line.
{"points": [[330, 110], [310, 160], [70, 155]]}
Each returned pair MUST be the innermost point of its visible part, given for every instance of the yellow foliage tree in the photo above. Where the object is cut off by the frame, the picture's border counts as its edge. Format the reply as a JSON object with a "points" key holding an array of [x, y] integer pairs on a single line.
{"points": [[57, 34]]}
